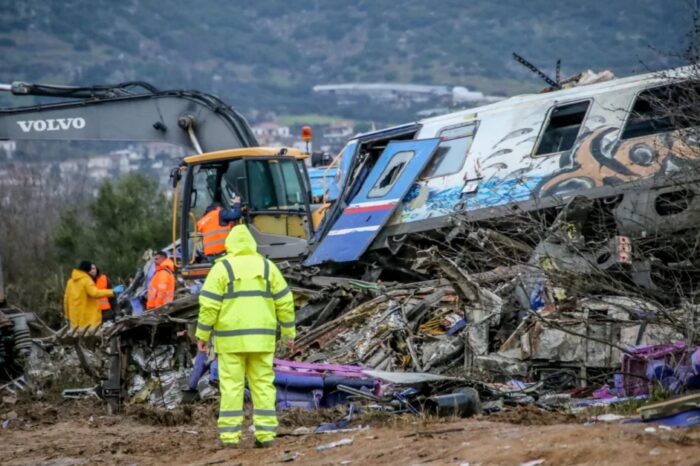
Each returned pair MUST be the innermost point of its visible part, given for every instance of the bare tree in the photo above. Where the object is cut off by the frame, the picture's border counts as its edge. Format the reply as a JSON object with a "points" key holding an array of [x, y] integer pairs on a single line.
{"points": [[31, 200]]}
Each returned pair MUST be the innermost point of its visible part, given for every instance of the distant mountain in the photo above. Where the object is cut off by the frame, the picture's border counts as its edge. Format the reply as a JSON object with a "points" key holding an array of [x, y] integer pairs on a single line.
{"points": [[267, 55]]}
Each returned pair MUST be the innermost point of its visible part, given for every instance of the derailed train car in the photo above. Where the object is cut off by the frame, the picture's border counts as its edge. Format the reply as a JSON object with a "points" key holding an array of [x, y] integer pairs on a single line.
{"points": [[627, 146]]}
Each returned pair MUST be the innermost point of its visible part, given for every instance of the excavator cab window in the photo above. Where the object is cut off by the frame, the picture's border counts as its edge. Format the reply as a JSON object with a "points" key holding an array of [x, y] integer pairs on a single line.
{"points": [[274, 201], [277, 197], [203, 191], [274, 186], [233, 182]]}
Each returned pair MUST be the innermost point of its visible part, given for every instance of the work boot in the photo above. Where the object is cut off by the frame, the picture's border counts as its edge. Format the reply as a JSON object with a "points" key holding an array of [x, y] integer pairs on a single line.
{"points": [[263, 444], [229, 445]]}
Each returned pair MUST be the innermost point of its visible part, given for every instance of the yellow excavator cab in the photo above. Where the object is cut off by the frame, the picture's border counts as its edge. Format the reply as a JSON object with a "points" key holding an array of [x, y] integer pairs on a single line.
{"points": [[274, 188]]}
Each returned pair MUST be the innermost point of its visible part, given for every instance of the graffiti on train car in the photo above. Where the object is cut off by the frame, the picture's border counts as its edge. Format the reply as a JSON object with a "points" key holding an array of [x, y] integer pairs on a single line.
{"points": [[598, 160]]}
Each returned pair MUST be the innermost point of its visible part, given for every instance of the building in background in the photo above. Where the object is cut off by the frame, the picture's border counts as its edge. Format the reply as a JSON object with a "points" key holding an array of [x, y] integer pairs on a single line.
{"points": [[270, 133], [410, 99]]}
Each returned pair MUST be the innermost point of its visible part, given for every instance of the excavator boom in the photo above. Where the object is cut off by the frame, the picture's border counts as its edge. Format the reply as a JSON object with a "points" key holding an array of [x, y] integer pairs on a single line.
{"points": [[132, 111]]}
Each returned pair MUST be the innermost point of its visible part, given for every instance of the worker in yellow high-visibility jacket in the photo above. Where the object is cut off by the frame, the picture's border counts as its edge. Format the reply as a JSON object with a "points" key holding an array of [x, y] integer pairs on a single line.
{"points": [[243, 300]]}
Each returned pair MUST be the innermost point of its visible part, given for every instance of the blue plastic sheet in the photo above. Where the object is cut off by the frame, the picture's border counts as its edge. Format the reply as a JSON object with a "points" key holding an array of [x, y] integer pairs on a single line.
{"points": [[136, 306], [688, 418]]}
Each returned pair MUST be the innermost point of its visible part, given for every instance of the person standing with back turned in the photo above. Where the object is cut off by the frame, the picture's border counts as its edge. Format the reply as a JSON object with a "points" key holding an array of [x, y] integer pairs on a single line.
{"points": [[80, 301], [242, 301]]}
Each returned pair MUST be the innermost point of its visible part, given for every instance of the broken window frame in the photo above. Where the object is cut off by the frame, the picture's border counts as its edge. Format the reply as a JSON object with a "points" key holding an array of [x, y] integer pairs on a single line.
{"points": [[381, 191], [474, 124], [631, 112], [548, 120]]}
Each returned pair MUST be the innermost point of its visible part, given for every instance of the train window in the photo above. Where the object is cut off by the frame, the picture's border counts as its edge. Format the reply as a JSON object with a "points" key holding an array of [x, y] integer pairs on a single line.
{"points": [[452, 152], [390, 174], [662, 109], [562, 128]]}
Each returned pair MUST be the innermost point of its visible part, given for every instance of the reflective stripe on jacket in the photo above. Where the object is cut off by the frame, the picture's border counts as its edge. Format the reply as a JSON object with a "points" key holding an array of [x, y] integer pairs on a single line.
{"points": [[102, 284], [213, 234], [162, 288], [243, 300]]}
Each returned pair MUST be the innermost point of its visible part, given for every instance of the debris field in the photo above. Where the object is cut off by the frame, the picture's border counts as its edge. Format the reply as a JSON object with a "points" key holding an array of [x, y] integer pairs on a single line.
{"points": [[472, 324]]}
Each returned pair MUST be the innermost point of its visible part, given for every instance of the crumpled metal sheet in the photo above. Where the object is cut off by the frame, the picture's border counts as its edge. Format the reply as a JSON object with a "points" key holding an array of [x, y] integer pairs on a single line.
{"points": [[500, 365], [376, 329], [167, 391], [159, 359], [136, 384], [42, 366], [441, 350]]}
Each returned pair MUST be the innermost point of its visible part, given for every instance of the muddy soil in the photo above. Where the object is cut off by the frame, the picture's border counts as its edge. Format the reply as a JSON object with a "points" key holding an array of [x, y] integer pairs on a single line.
{"points": [[79, 433]]}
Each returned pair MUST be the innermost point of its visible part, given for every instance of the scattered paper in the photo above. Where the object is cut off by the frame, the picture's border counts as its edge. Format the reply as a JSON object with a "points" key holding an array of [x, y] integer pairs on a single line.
{"points": [[337, 443], [533, 462]]}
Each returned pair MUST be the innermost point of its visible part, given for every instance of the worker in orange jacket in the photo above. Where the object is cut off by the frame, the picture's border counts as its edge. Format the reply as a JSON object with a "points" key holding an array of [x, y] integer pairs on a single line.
{"points": [[102, 283], [215, 225], [161, 290]]}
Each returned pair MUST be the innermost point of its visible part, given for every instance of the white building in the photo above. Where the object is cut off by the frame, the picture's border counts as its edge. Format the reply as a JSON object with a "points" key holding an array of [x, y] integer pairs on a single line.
{"points": [[271, 130], [339, 130]]}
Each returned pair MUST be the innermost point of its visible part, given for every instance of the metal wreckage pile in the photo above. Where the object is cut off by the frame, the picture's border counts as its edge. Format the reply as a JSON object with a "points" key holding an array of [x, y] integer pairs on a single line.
{"points": [[477, 318]]}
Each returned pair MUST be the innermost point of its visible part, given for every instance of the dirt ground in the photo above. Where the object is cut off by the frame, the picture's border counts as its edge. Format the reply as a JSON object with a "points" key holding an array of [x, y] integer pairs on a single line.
{"points": [[79, 433]]}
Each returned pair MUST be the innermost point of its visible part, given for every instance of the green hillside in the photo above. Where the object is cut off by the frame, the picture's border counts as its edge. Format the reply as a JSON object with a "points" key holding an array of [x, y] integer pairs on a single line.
{"points": [[267, 55]]}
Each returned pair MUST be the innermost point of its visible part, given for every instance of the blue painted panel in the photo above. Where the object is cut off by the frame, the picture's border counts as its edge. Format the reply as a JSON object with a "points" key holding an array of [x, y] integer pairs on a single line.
{"points": [[368, 212], [317, 176]]}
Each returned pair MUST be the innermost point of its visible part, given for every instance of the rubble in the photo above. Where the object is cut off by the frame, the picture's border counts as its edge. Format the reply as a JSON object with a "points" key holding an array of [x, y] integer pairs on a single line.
{"points": [[678, 412], [480, 320], [412, 347]]}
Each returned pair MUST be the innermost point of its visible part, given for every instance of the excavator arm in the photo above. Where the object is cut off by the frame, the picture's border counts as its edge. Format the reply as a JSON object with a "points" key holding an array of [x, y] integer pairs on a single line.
{"points": [[132, 111]]}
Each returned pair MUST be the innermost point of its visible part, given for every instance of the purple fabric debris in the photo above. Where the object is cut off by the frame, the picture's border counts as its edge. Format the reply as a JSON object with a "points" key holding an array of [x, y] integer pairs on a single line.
{"points": [[337, 369], [604, 393], [672, 366], [306, 399], [302, 384], [317, 384], [297, 381]]}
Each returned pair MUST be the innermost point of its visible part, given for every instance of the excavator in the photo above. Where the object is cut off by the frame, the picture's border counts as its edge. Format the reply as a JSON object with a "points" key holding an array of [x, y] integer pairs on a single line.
{"points": [[225, 161]]}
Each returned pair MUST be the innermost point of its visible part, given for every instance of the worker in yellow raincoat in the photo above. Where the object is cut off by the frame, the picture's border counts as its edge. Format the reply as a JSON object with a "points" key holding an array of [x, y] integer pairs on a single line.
{"points": [[243, 300], [81, 305]]}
